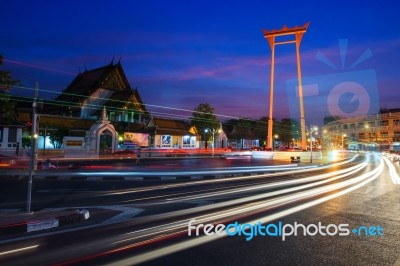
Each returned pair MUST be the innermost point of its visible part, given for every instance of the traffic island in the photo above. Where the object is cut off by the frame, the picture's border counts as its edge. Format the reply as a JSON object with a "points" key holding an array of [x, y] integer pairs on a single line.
{"points": [[16, 223]]}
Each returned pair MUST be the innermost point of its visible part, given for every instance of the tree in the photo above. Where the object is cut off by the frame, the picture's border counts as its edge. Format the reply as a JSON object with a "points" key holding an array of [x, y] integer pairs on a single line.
{"points": [[7, 108], [287, 129], [56, 138], [261, 130], [26, 142], [204, 118], [243, 130], [6, 81]]}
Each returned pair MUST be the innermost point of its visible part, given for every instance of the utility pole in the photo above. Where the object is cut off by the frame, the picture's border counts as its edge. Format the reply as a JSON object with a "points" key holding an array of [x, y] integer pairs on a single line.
{"points": [[33, 153]]}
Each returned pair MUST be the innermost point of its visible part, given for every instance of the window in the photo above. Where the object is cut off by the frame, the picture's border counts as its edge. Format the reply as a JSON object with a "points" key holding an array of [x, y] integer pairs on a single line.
{"points": [[396, 122], [371, 124], [383, 123], [361, 135], [186, 141], [397, 134], [12, 134], [372, 135], [344, 126], [166, 141], [360, 125], [384, 135], [352, 126], [1, 134]]}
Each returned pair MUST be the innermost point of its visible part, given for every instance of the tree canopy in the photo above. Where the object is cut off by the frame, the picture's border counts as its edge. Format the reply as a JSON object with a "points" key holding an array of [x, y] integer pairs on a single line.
{"points": [[56, 138], [204, 118], [6, 81]]}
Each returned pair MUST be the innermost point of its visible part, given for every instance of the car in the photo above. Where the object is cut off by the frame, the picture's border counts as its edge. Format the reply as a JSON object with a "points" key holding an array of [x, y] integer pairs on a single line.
{"points": [[256, 149], [177, 153]]}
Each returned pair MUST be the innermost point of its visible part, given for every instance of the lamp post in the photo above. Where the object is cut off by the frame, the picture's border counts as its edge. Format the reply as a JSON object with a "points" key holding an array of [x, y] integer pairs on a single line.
{"points": [[33, 152], [343, 136], [205, 138], [369, 135], [213, 131], [276, 136], [310, 131]]}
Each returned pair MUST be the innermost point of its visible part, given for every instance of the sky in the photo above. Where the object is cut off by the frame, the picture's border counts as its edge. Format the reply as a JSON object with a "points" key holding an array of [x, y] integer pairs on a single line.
{"points": [[179, 54]]}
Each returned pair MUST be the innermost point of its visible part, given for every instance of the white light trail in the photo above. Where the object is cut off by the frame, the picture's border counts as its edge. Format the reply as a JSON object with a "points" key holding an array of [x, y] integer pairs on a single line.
{"points": [[17, 250], [392, 171], [348, 186]]}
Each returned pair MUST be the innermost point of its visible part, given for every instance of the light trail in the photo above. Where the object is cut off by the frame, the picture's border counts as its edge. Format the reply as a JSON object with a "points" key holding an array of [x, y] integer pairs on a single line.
{"points": [[297, 171], [17, 250], [356, 183], [392, 171], [251, 169], [267, 203], [246, 188]]}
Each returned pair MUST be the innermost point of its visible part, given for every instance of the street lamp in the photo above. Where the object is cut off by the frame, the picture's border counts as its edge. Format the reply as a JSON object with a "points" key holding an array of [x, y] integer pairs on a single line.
{"points": [[276, 136], [213, 131], [343, 136], [310, 131]]}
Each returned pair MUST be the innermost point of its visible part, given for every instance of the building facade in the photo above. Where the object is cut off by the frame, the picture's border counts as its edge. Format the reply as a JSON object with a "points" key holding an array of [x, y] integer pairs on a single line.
{"points": [[373, 132], [170, 133], [10, 137]]}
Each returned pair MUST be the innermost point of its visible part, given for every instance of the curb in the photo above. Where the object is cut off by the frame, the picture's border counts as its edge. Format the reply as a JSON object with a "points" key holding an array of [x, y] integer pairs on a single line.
{"points": [[146, 178], [33, 225]]}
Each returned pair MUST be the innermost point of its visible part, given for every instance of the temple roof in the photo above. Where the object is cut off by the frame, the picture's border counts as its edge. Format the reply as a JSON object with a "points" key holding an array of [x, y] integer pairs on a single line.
{"points": [[168, 126], [111, 77]]}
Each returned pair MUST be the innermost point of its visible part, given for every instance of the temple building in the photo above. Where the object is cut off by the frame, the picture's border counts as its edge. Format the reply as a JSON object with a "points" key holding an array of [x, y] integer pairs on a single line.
{"points": [[93, 89], [82, 103]]}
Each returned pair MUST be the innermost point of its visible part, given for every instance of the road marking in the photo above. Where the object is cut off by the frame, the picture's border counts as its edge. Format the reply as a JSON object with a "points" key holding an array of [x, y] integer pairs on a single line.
{"points": [[126, 213]]}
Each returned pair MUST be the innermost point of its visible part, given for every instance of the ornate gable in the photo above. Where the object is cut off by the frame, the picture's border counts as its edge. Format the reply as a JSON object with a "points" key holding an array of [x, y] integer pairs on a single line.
{"points": [[134, 103], [115, 80]]}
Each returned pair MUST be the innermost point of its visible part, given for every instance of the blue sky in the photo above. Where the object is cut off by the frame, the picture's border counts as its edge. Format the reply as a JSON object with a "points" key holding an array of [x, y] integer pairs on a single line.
{"points": [[183, 53]]}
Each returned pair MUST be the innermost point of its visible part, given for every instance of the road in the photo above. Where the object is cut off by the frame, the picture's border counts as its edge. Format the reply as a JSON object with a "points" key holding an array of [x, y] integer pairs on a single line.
{"points": [[147, 221]]}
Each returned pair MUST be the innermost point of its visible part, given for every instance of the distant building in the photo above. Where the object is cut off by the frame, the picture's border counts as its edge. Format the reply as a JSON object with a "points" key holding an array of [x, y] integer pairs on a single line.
{"points": [[372, 132], [241, 137], [171, 133]]}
